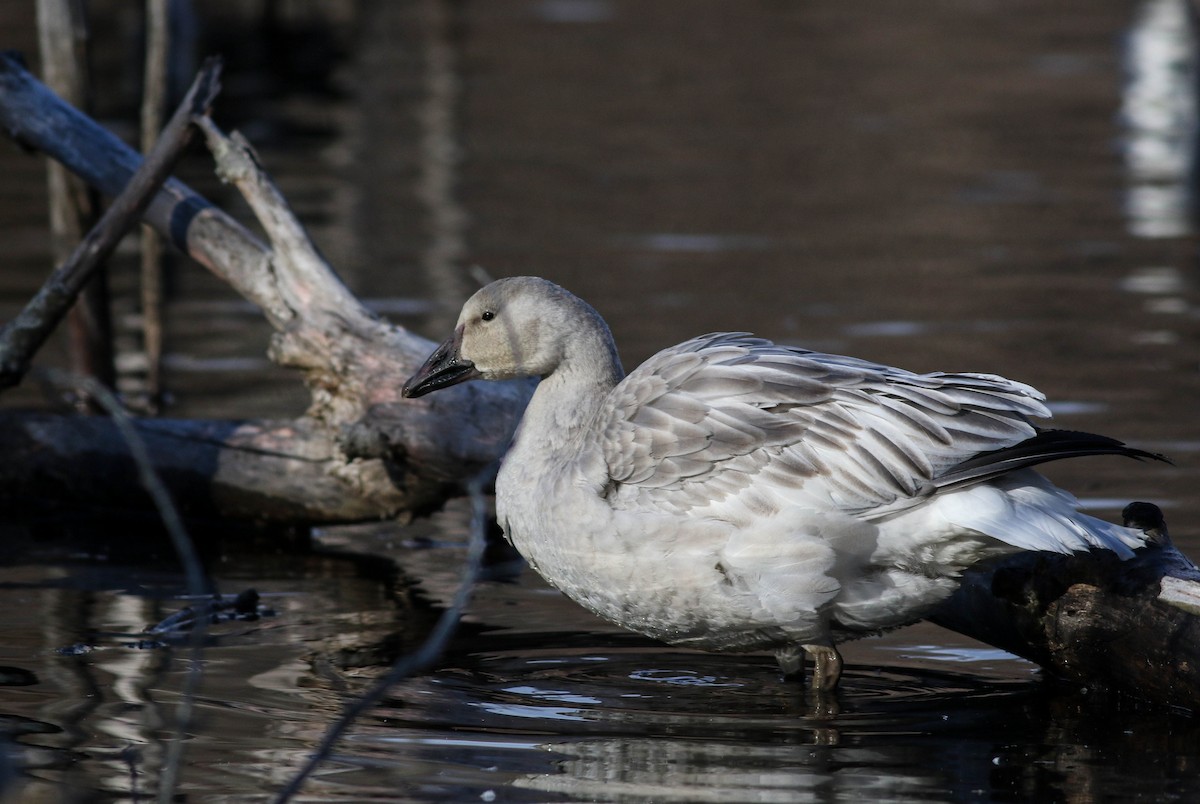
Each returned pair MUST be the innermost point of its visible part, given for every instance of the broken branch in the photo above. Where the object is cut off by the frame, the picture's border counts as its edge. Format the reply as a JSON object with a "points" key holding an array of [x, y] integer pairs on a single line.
{"points": [[21, 338]]}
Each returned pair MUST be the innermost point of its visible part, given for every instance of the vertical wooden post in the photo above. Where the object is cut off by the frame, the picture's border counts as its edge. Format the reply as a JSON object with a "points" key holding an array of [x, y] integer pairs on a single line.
{"points": [[62, 39], [154, 99]]}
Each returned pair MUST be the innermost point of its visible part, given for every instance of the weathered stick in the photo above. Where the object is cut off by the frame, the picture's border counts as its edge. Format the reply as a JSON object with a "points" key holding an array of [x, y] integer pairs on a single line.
{"points": [[38, 119], [24, 335], [354, 363]]}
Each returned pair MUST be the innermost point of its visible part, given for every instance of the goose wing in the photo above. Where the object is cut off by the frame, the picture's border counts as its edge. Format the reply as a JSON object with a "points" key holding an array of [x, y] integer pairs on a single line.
{"points": [[729, 415]]}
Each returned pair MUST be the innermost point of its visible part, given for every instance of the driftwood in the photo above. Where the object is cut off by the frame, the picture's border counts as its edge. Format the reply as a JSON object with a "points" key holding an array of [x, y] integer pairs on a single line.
{"points": [[360, 452], [1093, 619]]}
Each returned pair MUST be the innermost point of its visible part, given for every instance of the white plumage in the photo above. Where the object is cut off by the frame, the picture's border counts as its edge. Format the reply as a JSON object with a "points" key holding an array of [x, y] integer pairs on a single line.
{"points": [[733, 494]]}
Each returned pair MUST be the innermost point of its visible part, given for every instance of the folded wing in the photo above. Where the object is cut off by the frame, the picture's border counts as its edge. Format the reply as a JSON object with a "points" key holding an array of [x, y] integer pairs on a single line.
{"points": [[729, 415]]}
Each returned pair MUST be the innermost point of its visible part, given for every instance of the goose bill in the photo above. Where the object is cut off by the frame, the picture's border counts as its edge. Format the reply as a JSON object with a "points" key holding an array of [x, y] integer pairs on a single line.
{"points": [[443, 368]]}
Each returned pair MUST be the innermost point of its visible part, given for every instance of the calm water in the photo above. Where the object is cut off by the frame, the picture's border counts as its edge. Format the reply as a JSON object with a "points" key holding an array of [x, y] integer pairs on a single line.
{"points": [[971, 186]]}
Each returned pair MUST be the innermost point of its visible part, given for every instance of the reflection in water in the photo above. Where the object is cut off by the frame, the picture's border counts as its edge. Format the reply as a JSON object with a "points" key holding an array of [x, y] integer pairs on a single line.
{"points": [[676, 242], [536, 701], [575, 11], [1163, 289], [1161, 118], [900, 736], [441, 152], [1158, 280], [99, 714]]}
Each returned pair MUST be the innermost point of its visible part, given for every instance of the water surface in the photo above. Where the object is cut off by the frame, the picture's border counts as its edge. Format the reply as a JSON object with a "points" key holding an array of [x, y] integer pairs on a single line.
{"points": [[968, 186]]}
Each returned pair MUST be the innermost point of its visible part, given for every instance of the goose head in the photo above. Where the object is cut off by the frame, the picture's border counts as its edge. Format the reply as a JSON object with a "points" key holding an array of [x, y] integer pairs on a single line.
{"points": [[517, 327]]}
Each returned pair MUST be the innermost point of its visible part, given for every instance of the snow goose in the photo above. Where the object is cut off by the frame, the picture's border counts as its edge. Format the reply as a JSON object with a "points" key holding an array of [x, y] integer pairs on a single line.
{"points": [[731, 494]]}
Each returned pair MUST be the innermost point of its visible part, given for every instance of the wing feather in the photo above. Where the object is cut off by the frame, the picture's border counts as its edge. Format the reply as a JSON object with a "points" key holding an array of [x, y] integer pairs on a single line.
{"points": [[731, 417]]}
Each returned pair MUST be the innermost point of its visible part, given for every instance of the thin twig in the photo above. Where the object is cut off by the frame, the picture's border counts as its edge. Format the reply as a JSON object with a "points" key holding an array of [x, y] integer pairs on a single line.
{"points": [[154, 99], [147, 476], [197, 586], [23, 336], [421, 659]]}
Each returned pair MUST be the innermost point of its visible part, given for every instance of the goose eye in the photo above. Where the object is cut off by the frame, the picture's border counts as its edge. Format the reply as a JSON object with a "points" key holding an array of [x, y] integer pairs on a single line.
{"points": [[488, 315]]}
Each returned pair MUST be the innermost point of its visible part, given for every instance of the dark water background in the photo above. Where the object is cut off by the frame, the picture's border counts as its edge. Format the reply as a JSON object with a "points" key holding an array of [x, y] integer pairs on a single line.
{"points": [[981, 185]]}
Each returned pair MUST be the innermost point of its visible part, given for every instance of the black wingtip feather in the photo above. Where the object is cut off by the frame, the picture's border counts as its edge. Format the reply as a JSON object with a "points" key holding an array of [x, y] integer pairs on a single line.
{"points": [[1047, 445]]}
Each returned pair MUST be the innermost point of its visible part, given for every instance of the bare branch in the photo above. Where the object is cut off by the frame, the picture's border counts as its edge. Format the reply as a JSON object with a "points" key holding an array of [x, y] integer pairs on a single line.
{"points": [[24, 335]]}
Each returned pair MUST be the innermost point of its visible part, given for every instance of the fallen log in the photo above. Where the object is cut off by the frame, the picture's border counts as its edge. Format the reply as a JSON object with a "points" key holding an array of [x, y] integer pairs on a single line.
{"points": [[207, 466], [372, 454]]}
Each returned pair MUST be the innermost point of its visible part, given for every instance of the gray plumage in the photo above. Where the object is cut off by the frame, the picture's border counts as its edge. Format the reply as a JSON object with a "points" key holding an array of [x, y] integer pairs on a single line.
{"points": [[734, 494]]}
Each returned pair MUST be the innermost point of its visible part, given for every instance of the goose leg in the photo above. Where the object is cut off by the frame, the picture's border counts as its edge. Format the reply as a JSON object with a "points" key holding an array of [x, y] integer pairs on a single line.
{"points": [[827, 664], [827, 669]]}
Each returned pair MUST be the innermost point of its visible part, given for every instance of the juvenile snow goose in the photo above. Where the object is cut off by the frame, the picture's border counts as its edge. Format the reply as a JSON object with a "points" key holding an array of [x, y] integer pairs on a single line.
{"points": [[731, 494]]}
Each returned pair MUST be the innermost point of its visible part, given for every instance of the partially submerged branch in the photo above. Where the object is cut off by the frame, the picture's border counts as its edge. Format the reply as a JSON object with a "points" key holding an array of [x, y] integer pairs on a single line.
{"points": [[1093, 619]]}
